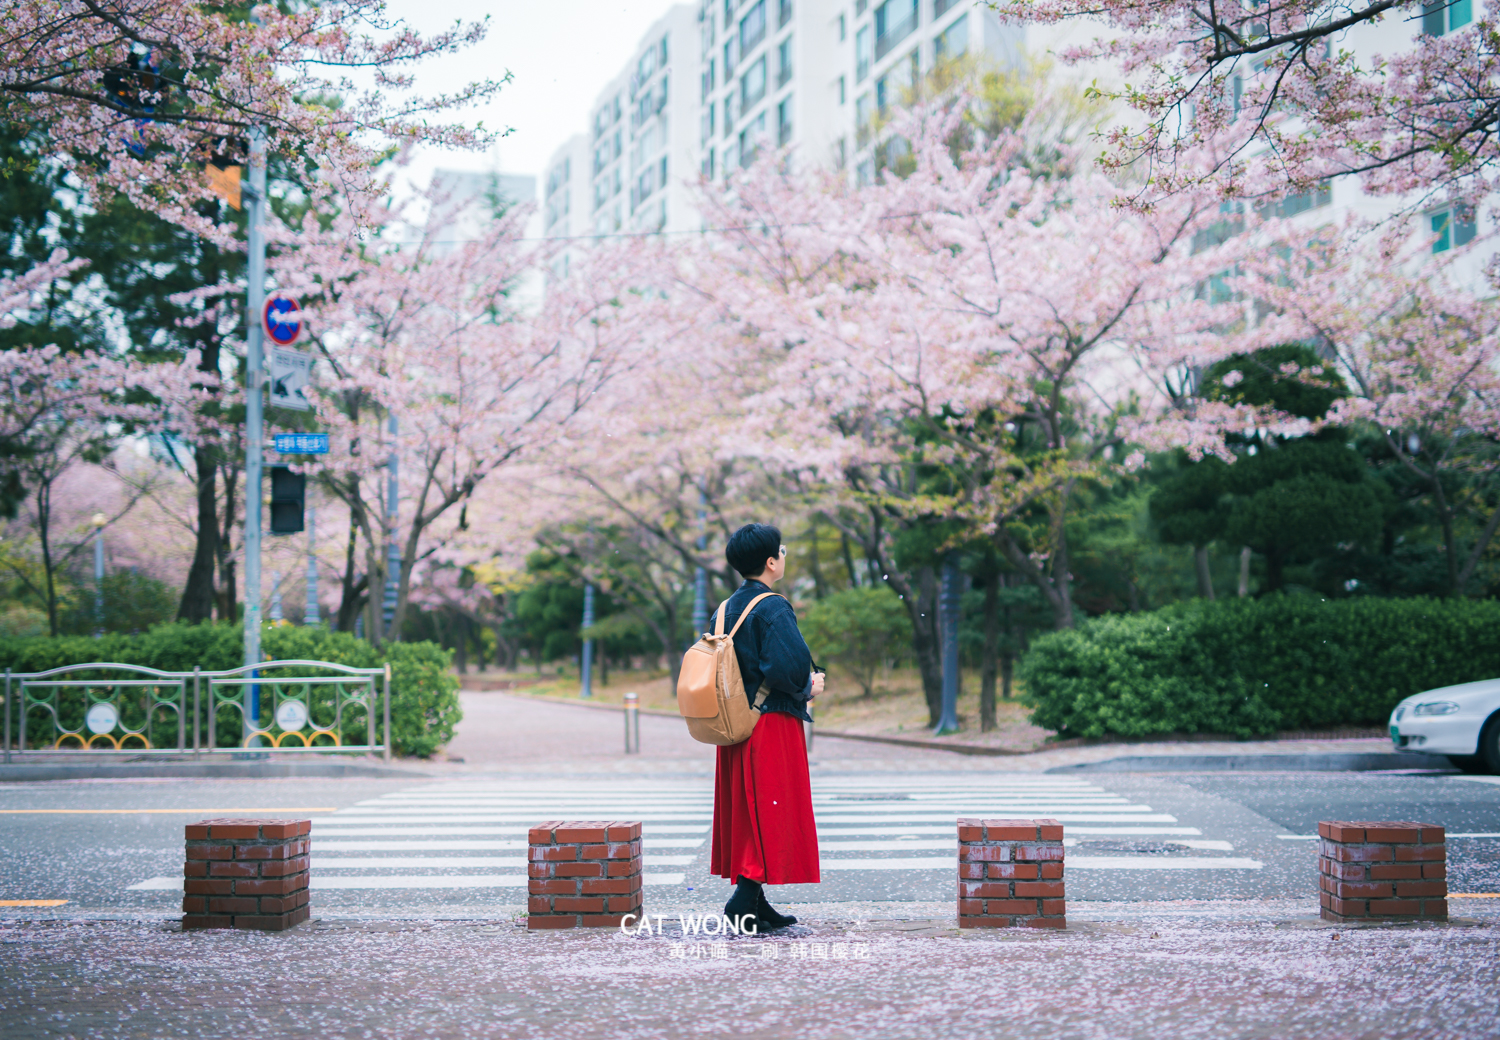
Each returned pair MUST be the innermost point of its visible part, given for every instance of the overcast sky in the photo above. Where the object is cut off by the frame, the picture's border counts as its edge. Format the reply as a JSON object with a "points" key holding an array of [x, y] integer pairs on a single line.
{"points": [[560, 54]]}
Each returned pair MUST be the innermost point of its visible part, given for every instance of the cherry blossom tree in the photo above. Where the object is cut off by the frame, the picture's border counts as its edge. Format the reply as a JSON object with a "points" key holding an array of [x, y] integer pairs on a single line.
{"points": [[1254, 99], [138, 98], [1420, 352], [434, 361]]}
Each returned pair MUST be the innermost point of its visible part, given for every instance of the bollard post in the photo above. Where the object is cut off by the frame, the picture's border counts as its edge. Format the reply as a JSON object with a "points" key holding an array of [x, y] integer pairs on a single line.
{"points": [[632, 723]]}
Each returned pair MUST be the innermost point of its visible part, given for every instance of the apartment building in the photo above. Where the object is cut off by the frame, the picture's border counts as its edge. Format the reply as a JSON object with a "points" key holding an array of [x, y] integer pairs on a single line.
{"points": [[712, 84]]}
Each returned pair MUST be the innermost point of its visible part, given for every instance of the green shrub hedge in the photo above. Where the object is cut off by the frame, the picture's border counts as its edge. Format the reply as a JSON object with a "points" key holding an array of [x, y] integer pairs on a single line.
{"points": [[1251, 667], [424, 694]]}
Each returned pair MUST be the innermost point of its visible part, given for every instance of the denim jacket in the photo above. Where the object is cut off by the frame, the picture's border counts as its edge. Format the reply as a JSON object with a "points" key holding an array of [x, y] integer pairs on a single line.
{"points": [[770, 650]]}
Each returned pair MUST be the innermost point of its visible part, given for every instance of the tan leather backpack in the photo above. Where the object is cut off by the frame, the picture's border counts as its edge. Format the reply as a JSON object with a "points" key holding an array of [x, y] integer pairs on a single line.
{"points": [[710, 691]]}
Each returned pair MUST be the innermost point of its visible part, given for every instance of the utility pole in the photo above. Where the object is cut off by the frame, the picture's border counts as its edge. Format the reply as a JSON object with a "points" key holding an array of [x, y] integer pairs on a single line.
{"points": [[588, 643], [310, 611], [393, 548], [948, 626], [99, 523], [254, 417], [700, 577]]}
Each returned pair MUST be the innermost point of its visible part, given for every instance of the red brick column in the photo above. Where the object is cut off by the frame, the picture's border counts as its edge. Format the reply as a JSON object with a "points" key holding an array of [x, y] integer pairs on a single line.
{"points": [[246, 874], [583, 875], [1382, 870], [1010, 872]]}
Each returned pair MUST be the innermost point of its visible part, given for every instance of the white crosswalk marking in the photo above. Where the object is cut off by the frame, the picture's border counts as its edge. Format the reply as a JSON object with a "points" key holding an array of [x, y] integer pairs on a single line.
{"points": [[441, 836], [472, 834]]}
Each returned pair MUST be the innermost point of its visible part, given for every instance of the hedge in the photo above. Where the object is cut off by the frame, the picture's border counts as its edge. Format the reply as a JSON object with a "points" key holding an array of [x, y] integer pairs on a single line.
{"points": [[1252, 667], [424, 694]]}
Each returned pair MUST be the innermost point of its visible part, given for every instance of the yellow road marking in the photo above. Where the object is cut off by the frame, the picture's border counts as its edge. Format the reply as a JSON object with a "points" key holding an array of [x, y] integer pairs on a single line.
{"points": [[32, 902], [191, 812], [1474, 895]]}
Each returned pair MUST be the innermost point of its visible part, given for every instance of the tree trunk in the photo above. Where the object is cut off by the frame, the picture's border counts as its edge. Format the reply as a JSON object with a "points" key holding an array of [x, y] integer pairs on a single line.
{"points": [[461, 645], [197, 603], [849, 561], [1244, 588], [927, 641], [44, 534], [1205, 579], [228, 592], [814, 565], [990, 659]]}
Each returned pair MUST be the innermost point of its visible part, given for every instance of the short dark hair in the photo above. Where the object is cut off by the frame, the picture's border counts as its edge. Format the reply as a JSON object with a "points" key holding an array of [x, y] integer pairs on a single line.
{"points": [[751, 546]]}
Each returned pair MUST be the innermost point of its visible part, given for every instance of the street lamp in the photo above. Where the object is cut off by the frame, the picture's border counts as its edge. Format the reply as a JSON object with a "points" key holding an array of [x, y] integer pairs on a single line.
{"points": [[98, 521]]}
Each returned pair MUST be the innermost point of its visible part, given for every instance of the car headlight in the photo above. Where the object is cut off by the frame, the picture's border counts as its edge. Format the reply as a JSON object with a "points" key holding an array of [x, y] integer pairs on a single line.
{"points": [[1435, 708]]}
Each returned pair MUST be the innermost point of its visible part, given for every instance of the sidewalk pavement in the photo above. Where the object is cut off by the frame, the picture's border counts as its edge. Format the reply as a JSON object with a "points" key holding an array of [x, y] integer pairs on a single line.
{"points": [[504, 732], [892, 971]]}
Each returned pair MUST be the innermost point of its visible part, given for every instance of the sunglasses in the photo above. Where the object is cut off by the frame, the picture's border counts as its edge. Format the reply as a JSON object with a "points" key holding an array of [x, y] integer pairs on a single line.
{"points": [[783, 550]]}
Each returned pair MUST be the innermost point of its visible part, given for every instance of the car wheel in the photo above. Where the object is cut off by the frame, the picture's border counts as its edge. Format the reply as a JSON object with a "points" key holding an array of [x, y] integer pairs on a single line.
{"points": [[1468, 763], [1489, 745]]}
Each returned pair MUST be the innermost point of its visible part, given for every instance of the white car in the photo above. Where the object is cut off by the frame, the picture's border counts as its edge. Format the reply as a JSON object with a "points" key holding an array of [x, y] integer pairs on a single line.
{"points": [[1462, 722]]}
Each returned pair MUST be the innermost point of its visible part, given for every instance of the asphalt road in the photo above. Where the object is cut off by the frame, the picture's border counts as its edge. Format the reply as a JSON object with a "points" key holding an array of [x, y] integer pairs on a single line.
{"points": [[389, 845]]}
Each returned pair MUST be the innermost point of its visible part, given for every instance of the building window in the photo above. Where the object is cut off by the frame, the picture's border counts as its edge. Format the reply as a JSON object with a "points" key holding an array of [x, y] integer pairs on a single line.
{"points": [[843, 28], [841, 90], [784, 14], [1454, 226], [708, 83], [953, 41], [1446, 16], [663, 172], [753, 27], [894, 21], [784, 122], [753, 84], [1289, 206], [784, 62], [708, 165], [707, 34], [862, 54], [840, 157], [731, 158], [941, 7], [864, 175], [750, 139], [706, 124], [731, 55], [732, 112], [859, 7], [863, 110]]}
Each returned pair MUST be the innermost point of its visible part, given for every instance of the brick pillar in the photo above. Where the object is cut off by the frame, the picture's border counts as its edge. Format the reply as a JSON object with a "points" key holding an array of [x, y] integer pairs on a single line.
{"points": [[246, 874], [583, 875], [1010, 872], [1383, 871]]}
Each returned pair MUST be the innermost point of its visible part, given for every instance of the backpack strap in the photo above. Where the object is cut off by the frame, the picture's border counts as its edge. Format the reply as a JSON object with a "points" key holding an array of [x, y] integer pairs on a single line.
{"points": [[743, 615], [719, 622]]}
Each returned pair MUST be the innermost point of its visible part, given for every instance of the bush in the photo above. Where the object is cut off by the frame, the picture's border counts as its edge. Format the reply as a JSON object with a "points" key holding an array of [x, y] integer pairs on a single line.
{"points": [[1251, 667], [858, 629], [424, 695]]}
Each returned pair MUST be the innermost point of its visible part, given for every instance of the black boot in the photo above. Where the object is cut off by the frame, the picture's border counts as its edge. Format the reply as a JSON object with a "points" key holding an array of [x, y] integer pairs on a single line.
{"points": [[768, 917], [745, 901]]}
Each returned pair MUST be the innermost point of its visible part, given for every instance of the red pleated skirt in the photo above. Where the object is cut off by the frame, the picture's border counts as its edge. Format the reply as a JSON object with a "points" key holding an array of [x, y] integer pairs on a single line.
{"points": [[763, 816]]}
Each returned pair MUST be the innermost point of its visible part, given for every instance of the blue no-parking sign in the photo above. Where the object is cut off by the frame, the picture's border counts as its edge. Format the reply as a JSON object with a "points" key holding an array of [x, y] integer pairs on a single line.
{"points": [[283, 320]]}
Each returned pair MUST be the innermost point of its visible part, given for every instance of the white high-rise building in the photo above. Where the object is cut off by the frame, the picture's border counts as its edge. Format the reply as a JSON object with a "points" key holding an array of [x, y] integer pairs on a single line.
{"points": [[640, 151], [712, 84]]}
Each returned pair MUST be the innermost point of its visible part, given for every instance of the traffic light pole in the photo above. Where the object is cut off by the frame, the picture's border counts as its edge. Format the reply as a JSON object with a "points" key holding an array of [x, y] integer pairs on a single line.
{"points": [[254, 415]]}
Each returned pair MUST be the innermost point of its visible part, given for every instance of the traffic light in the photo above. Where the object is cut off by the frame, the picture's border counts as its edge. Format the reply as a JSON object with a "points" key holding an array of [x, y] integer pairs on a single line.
{"points": [[288, 496]]}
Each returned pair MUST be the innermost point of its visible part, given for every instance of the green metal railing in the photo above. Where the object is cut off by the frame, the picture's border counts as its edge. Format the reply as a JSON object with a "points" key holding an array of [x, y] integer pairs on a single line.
{"points": [[124, 709]]}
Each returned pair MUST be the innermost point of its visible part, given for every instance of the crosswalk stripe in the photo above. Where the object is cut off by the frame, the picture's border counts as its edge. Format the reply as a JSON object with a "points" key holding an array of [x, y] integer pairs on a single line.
{"points": [[478, 829]]}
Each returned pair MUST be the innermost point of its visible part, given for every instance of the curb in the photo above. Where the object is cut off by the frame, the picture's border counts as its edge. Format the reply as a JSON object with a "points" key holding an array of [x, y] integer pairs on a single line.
{"points": [[933, 745], [1349, 762], [202, 770], [594, 705]]}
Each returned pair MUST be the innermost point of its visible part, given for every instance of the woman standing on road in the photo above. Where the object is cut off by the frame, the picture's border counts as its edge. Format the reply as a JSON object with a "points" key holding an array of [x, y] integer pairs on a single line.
{"points": [[764, 833]]}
